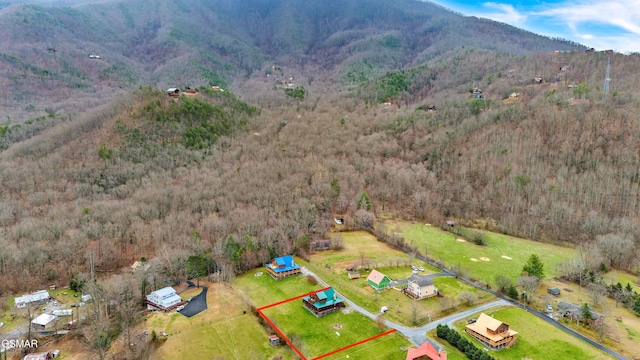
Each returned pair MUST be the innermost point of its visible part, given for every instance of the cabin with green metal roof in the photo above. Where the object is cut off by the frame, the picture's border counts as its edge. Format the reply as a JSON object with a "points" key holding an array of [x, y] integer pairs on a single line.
{"points": [[323, 302]]}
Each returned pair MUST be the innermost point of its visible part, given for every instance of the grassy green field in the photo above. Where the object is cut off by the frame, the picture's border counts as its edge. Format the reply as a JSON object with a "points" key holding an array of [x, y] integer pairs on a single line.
{"points": [[503, 255], [623, 278], [537, 339], [264, 290], [318, 336], [392, 263], [189, 293], [226, 330]]}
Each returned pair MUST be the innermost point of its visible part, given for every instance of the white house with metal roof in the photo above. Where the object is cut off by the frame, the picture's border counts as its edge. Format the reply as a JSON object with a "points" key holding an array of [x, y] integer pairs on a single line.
{"points": [[36, 298], [164, 299]]}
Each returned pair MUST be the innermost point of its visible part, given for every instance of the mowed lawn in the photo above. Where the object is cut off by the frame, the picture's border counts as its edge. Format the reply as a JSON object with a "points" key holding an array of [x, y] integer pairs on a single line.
{"points": [[330, 266], [263, 290], [537, 339], [227, 330], [318, 336], [503, 255]]}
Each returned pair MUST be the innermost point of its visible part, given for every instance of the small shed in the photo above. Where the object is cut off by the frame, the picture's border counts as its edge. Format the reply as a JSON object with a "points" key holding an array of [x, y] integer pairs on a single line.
{"points": [[554, 291], [319, 245], [173, 92], [274, 340], [354, 275]]}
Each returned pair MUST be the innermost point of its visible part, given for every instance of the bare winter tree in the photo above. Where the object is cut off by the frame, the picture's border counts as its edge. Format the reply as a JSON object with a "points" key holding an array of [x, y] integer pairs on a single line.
{"points": [[529, 284], [617, 249]]}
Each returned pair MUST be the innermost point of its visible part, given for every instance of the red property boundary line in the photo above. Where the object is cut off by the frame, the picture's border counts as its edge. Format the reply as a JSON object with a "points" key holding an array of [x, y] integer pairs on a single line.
{"points": [[355, 344], [286, 339]]}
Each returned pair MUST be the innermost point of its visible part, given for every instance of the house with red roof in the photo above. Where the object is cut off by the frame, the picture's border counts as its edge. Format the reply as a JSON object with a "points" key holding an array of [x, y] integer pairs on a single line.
{"points": [[426, 351], [378, 280]]}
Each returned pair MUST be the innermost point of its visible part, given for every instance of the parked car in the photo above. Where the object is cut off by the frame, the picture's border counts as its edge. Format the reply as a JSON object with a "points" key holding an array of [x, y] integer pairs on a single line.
{"points": [[420, 268], [55, 303], [191, 298], [180, 308], [549, 308], [414, 268], [471, 321]]}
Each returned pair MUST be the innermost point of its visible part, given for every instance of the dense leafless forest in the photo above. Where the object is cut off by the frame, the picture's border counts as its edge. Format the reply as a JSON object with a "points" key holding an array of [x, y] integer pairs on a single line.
{"points": [[128, 180]]}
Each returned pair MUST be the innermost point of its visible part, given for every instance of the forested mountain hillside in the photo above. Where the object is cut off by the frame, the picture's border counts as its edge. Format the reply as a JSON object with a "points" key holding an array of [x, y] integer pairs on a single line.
{"points": [[46, 69], [154, 177], [388, 122]]}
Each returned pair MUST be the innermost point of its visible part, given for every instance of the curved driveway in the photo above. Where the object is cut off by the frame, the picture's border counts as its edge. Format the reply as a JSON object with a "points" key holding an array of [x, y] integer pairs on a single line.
{"points": [[197, 305]]}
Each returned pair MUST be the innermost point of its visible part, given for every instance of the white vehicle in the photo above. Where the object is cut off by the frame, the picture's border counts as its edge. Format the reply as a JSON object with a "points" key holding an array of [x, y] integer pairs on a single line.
{"points": [[180, 308], [420, 268], [414, 268], [549, 308]]}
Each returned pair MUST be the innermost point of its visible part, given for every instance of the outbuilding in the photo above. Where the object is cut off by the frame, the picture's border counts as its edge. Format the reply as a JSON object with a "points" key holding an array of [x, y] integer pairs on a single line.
{"points": [[554, 291], [44, 322]]}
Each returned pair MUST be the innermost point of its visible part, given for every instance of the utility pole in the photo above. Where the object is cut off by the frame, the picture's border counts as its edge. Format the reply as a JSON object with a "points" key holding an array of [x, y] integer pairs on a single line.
{"points": [[607, 78]]}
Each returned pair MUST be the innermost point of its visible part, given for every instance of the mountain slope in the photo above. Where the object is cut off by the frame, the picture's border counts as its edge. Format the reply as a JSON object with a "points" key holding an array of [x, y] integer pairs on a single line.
{"points": [[163, 43]]}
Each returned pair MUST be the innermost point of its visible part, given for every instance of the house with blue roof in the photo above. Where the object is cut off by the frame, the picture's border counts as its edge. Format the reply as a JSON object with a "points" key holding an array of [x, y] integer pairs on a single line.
{"points": [[282, 267], [322, 303]]}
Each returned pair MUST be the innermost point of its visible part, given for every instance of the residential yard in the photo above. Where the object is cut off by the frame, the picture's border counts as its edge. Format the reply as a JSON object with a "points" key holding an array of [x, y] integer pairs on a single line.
{"points": [[227, 329], [318, 336], [13, 317], [402, 309], [65, 296], [537, 339], [622, 326], [264, 290], [185, 295], [502, 254]]}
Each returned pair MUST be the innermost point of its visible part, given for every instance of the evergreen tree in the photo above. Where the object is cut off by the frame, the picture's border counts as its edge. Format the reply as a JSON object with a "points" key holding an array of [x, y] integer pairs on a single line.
{"points": [[513, 292], [636, 306], [534, 267], [586, 313]]}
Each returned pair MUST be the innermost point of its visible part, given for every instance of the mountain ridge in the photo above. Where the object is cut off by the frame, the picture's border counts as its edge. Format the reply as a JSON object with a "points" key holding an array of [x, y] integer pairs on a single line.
{"points": [[173, 43]]}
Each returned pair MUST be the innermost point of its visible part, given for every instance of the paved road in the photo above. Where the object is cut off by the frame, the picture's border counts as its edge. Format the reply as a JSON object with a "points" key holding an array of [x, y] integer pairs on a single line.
{"points": [[197, 305]]}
